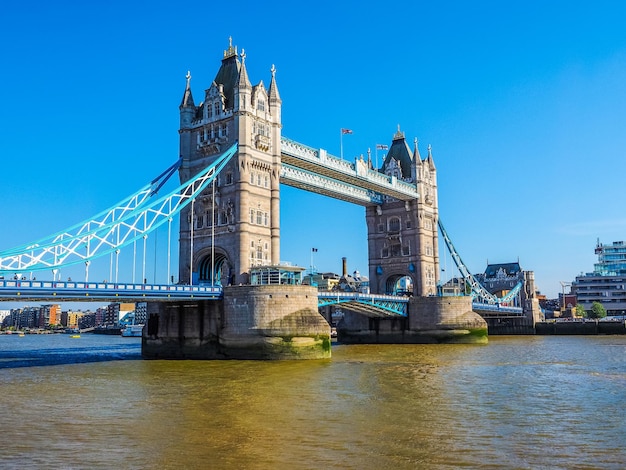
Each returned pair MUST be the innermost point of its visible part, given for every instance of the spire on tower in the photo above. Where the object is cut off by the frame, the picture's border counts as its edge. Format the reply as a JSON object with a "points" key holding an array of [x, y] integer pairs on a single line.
{"points": [[273, 91], [243, 80], [429, 159], [187, 101], [231, 51], [417, 158]]}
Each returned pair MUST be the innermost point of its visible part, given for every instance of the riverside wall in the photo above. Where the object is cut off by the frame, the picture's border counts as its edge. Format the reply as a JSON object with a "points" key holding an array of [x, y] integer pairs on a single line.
{"points": [[581, 328], [251, 322]]}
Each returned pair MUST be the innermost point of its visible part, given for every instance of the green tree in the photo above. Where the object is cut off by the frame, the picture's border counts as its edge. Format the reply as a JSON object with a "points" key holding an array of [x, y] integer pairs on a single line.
{"points": [[580, 311], [597, 310]]}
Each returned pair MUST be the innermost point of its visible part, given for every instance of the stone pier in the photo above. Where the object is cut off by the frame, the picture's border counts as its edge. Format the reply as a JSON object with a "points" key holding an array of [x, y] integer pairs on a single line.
{"points": [[251, 322], [429, 320]]}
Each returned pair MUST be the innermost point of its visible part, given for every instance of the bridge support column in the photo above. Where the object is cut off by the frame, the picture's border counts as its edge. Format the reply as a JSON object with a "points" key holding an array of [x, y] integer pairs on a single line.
{"points": [[251, 322], [429, 320]]}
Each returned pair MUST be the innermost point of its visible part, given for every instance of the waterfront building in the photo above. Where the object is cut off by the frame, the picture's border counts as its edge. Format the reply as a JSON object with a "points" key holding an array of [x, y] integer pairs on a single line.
{"points": [[100, 316], [141, 313], [54, 314], [112, 315], [607, 283], [73, 319], [4, 314]]}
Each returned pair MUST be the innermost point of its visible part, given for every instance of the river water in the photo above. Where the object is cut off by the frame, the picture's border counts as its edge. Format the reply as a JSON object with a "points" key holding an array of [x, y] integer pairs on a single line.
{"points": [[523, 402]]}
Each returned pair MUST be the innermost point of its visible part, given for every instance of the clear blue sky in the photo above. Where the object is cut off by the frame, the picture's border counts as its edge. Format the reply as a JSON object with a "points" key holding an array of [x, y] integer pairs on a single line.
{"points": [[524, 104]]}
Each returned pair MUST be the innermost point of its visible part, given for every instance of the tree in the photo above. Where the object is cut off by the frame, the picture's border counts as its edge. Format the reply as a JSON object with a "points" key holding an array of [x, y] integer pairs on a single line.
{"points": [[597, 310], [580, 311]]}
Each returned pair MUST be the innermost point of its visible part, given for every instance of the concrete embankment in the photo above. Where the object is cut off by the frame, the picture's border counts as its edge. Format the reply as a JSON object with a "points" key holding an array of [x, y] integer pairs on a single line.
{"points": [[581, 328]]}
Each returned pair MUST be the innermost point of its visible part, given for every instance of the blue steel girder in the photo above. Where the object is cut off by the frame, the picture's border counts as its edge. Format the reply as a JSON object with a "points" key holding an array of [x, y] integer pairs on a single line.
{"points": [[388, 305], [113, 229]]}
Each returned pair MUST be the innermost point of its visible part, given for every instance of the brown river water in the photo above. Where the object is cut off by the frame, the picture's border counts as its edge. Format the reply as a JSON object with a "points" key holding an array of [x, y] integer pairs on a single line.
{"points": [[522, 402]]}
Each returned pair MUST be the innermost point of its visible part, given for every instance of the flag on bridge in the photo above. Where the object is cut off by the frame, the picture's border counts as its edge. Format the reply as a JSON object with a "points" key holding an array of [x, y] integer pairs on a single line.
{"points": [[346, 131], [382, 147]]}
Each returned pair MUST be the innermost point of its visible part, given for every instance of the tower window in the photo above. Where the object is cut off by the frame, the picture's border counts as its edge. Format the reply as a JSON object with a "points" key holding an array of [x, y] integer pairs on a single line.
{"points": [[394, 224], [260, 105]]}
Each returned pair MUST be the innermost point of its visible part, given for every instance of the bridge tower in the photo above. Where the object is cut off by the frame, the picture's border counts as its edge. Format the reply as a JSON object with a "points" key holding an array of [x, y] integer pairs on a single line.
{"points": [[402, 235], [233, 224]]}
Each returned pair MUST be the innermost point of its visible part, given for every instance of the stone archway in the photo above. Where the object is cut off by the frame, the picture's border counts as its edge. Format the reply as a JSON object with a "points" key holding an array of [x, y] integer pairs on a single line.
{"points": [[216, 271], [400, 284]]}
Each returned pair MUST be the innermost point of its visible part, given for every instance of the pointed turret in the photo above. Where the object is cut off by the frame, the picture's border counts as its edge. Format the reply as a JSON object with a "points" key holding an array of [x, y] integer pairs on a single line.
{"points": [[273, 93], [417, 161], [401, 153], [243, 81], [274, 96], [242, 91], [430, 160], [187, 107], [187, 101]]}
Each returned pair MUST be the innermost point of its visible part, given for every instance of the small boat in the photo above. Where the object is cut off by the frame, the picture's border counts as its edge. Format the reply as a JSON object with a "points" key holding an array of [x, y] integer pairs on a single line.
{"points": [[132, 331], [75, 336]]}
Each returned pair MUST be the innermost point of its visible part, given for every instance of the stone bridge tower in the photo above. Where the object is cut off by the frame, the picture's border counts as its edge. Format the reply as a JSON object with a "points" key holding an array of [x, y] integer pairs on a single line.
{"points": [[403, 235], [234, 224]]}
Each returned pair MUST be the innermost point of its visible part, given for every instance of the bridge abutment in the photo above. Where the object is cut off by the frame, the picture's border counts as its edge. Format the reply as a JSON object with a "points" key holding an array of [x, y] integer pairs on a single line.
{"points": [[429, 320], [251, 322]]}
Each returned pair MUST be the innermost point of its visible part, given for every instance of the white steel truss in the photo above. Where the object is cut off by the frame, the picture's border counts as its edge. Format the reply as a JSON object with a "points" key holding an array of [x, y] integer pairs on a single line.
{"points": [[123, 224]]}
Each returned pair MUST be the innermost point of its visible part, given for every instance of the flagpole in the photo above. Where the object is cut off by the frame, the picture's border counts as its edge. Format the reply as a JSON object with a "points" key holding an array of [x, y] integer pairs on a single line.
{"points": [[341, 143]]}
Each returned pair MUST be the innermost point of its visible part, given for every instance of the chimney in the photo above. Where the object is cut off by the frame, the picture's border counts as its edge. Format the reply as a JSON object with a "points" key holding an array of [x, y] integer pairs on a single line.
{"points": [[344, 262]]}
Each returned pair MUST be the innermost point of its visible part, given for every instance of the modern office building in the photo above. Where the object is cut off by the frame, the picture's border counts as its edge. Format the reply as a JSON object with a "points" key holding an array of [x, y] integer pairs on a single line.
{"points": [[607, 283]]}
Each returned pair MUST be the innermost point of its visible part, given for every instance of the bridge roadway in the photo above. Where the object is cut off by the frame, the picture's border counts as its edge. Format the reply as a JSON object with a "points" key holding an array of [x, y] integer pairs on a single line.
{"points": [[61, 291], [372, 305]]}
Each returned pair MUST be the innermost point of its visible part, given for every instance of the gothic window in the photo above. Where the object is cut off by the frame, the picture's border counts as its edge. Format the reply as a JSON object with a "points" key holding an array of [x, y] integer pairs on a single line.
{"points": [[252, 217], [224, 130], [259, 252], [260, 105], [199, 221], [395, 248], [229, 178], [216, 107], [394, 224], [385, 251], [381, 228], [267, 181], [406, 249], [266, 219], [251, 177], [209, 111], [259, 217], [408, 223]]}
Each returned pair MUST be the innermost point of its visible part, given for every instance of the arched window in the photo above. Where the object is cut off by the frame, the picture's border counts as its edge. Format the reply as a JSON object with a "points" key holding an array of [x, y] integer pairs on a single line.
{"points": [[394, 224]]}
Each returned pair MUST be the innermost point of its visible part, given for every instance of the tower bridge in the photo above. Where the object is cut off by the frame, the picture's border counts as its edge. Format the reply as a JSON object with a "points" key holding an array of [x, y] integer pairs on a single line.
{"points": [[233, 159]]}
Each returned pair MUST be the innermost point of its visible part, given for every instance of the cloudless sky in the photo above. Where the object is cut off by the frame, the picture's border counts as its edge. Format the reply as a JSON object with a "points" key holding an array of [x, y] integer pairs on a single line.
{"points": [[524, 104]]}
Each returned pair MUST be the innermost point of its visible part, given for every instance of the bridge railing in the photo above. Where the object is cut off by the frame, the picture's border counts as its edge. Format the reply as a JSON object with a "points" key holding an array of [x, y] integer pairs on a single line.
{"points": [[497, 308], [103, 289]]}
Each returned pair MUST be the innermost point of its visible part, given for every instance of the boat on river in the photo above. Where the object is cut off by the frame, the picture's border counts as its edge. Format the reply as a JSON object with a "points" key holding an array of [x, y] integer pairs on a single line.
{"points": [[132, 331]]}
